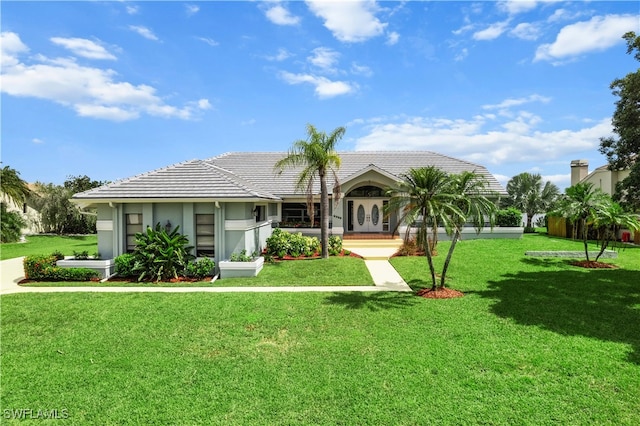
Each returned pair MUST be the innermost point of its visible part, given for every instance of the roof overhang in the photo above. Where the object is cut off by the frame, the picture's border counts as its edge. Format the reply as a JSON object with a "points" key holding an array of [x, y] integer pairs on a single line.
{"points": [[90, 202]]}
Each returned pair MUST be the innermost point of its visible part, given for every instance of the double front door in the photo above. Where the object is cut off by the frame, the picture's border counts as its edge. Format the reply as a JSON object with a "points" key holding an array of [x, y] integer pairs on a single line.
{"points": [[367, 215]]}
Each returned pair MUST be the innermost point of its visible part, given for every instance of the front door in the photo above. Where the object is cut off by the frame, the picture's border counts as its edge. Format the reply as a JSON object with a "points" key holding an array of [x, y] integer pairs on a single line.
{"points": [[367, 215]]}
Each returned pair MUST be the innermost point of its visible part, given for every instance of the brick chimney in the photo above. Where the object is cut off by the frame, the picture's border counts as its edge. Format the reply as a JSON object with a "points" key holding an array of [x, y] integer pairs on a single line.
{"points": [[579, 170]]}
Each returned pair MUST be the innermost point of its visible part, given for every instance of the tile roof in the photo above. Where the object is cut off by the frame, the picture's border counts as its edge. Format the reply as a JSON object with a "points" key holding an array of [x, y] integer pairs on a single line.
{"points": [[252, 175]]}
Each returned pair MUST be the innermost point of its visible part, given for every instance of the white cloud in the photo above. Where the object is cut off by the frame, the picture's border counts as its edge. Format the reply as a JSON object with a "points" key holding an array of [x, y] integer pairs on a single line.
{"points": [[324, 88], [597, 34], [91, 92], [361, 70], [482, 140], [508, 103], [324, 58], [392, 38], [462, 54], [132, 9], [283, 54], [279, 15], [514, 7], [37, 141], [144, 32], [209, 41], [192, 9], [492, 32], [349, 21], [526, 31], [83, 47]]}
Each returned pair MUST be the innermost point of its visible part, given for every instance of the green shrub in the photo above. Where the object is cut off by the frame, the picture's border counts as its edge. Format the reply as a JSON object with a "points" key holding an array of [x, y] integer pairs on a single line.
{"points": [[81, 255], [160, 254], [529, 230], [335, 245], [11, 224], [278, 243], [242, 256], [282, 243], [509, 217], [58, 255], [124, 265], [43, 268], [199, 269]]}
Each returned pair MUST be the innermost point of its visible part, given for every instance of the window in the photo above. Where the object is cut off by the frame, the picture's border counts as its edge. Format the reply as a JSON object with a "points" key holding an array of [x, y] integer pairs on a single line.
{"points": [[296, 215], [273, 209], [261, 213], [133, 226], [205, 245]]}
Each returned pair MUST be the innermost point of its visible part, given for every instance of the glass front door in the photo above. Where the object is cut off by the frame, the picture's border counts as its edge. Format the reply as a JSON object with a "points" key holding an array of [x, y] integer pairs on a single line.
{"points": [[367, 215]]}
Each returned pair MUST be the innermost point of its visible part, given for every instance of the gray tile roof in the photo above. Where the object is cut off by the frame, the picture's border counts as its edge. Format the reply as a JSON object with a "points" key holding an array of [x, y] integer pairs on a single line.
{"points": [[252, 175]]}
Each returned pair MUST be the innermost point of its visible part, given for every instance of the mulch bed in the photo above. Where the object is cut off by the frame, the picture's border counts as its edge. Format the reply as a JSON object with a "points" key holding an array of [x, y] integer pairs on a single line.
{"points": [[592, 264], [439, 293]]}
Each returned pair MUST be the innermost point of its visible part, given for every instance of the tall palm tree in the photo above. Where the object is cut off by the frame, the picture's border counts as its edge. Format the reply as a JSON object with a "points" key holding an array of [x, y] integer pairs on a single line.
{"points": [[318, 157], [13, 186], [579, 207], [425, 196], [472, 191], [527, 194]]}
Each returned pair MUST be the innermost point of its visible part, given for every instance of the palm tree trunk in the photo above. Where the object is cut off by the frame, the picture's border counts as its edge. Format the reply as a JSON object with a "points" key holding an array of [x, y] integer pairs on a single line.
{"points": [[431, 267], [454, 240], [324, 215], [585, 234]]}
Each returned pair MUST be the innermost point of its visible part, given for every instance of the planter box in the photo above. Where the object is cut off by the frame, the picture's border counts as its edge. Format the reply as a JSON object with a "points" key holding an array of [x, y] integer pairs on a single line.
{"points": [[229, 269], [104, 267]]}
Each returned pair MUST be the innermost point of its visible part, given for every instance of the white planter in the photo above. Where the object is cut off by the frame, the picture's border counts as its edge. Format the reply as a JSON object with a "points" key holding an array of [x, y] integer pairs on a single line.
{"points": [[104, 267], [229, 269]]}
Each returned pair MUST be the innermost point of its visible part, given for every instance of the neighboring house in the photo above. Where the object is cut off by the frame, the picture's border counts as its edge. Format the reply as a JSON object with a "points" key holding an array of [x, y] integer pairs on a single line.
{"points": [[601, 178], [30, 215], [231, 202]]}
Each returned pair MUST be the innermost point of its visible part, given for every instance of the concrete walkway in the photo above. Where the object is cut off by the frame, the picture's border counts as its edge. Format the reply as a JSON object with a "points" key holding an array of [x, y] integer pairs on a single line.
{"points": [[384, 277]]}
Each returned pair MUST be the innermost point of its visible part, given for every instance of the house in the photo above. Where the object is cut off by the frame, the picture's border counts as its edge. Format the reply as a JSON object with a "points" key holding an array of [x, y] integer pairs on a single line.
{"points": [[601, 178], [30, 215], [231, 202]]}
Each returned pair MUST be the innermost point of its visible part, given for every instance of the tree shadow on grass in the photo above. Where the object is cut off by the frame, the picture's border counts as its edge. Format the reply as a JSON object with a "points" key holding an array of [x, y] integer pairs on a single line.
{"points": [[374, 301], [601, 304]]}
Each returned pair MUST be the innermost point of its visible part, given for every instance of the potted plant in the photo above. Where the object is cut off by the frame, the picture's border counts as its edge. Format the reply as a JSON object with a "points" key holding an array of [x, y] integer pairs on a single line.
{"points": [[241, 264]]}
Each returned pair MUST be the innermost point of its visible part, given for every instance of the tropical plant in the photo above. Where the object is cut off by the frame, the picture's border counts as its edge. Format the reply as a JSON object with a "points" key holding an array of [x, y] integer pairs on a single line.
{"points": [[242, 256], [335, 245], [578, 206], [527, 193], [471, 190], [13, 187], [160, 254], [125, 264], [609, 218], [11, 224], [317, 157], [427, 198]]}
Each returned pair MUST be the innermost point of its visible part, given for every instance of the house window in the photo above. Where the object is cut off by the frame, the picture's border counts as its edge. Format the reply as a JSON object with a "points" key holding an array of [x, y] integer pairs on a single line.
{"points": [[273, 209], [295, 215], [134, 225], [205, 245], [261, 213]]}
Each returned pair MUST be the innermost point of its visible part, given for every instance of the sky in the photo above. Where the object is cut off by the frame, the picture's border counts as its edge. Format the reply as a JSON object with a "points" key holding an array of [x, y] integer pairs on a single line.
{"points": [[112, 89]]}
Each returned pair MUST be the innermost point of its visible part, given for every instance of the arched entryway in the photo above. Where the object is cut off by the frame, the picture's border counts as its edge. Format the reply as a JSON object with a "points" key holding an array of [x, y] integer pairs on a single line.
{"points": [[365, 210]]}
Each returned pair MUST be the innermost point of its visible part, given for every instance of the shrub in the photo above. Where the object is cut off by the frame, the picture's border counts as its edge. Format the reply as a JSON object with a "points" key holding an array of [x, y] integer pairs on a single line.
{"points": [[124, 265], [43, 268], [278, 243], [81, 255], [408, 248], [282, 243], [160, 254], [335, 245], [242, 256], [11, 224], [199, 269], [509, 217], [529, 230], [58, 255]]}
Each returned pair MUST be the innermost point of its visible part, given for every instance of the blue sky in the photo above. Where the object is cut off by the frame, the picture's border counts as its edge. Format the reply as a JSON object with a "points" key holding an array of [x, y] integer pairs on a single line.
{"points": [[114, 89]]}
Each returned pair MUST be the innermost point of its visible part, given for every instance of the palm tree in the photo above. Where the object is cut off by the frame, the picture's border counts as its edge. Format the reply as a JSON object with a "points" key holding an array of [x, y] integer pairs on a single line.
{"points": [[425, 196], [527, 194], [609, 218], [472, 201], [13, 186], [579, 206], [317, 157]]}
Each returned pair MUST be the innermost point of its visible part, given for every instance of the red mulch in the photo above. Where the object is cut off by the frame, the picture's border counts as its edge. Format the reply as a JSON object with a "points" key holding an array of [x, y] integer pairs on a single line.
{"points": [[440, 293], [592, 264]]}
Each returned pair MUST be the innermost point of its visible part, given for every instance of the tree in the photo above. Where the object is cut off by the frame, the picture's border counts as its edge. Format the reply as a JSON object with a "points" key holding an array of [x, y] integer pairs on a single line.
{"points": [[623, 151], [317, 157], [578, 206], [527, 193], [609, 218], [471, 190], [11, 224], [11, 185], [425, 196], [77, 184]]}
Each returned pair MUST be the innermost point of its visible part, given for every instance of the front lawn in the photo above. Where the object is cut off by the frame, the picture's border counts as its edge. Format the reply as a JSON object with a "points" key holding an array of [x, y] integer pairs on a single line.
{"points": [[334, 271], [533, 341], [47, 244]]}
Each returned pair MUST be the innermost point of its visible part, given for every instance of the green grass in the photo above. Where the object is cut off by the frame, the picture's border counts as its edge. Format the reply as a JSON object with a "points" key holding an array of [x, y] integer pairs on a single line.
{"points": [[334, 271], [47, 244], [533, 342]]}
